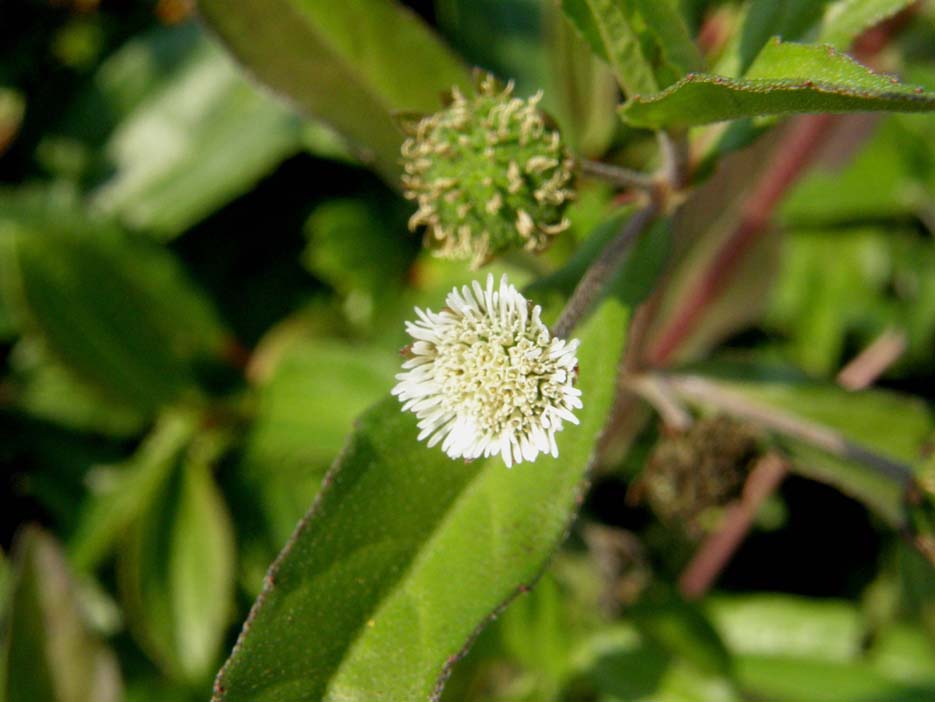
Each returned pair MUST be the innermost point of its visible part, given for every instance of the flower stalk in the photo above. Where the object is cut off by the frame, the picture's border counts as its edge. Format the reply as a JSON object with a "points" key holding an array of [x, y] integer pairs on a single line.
{"points": [[595, 280]]}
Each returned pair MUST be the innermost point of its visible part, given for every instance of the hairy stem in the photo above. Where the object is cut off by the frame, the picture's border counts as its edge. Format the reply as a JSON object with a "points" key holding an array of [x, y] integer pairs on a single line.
{"points": [[595, 279], [702, 391], [618, 175]]}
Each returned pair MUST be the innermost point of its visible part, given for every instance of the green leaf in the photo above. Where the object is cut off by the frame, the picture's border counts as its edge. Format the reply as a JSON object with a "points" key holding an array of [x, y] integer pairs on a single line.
{"points": [[845, 20], [778, 625], [616, 663], [606, 27], [51, 654], [903, 651], [583, 87], [684, 631], [789, 20], [793, 648], [352, 64], [306, 410], [177, 574], [191, 143], [535, 630], [798, 679], [667, 25], [406, 553], [895, 427], [517, 54], [354, 247], [43, 388], [116, 310], [636, 277], [784, 79], [124, 492], [840, 286]]}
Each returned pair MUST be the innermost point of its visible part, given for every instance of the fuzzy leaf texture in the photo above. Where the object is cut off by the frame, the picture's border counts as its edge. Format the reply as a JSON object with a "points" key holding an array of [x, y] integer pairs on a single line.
{"points": [[406, 553], [786, 78]]}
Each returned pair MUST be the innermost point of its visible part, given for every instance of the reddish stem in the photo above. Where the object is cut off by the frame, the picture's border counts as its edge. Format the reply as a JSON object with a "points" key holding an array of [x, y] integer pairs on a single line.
{"points": [[718, 548], [800, 147]]}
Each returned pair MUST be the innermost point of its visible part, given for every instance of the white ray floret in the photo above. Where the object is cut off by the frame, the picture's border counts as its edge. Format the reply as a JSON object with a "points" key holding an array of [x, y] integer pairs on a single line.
{"points": [[485, 377]]}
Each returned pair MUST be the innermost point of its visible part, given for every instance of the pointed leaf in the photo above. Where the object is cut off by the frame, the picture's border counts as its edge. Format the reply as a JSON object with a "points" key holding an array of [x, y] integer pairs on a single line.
{"points": [[607, 28], [106, 517], [177, 575], [406, 553], [845, 20], [51, 655], [784, 79], [664, 20], [117, 311], [174, 158], [352, 63], [789, 20]]}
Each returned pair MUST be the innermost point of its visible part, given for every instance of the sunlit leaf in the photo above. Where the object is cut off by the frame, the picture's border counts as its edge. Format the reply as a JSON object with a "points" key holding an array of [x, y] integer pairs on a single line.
{"points": [[785, 78], [192, 142], [177, 573], [606, 27], [845, 20], [351, 64], [403, 539]]}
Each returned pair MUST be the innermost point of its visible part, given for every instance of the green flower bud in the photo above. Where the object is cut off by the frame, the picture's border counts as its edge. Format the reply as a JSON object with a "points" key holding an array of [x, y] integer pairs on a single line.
{"points": [[489, 173]]}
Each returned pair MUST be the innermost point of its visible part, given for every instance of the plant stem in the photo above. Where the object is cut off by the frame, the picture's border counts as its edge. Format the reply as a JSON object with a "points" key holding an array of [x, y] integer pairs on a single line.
{"points": [[716, 550], [702, 391], [657, 393], [873, 361], [675, 159], [619, 176], [799, 148], [595, 279]]}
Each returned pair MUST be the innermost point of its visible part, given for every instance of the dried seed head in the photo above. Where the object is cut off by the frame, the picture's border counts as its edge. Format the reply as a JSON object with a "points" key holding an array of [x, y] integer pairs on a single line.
{"points": [[488, 173]]}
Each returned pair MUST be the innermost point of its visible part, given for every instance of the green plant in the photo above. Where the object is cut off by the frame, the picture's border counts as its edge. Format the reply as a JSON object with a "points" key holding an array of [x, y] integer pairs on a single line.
{"points": [[720, 241]]}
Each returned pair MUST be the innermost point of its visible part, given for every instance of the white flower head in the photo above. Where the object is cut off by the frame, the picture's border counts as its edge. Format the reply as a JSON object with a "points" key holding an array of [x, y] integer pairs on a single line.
{"points": [[485, 376]]}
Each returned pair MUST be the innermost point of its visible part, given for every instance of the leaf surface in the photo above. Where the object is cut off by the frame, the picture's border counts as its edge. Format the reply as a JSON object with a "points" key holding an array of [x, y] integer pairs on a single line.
{"points": [[116, 310], [606, 26], [845, 20], [177, 575], [786, 78], [352, 64], [667, 25], [51, 654], [406, 553], [191, 143]]}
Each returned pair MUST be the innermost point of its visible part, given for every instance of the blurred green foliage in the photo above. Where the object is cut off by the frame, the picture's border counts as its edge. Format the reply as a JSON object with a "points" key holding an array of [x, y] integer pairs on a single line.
{"points": [[203, 287]]}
